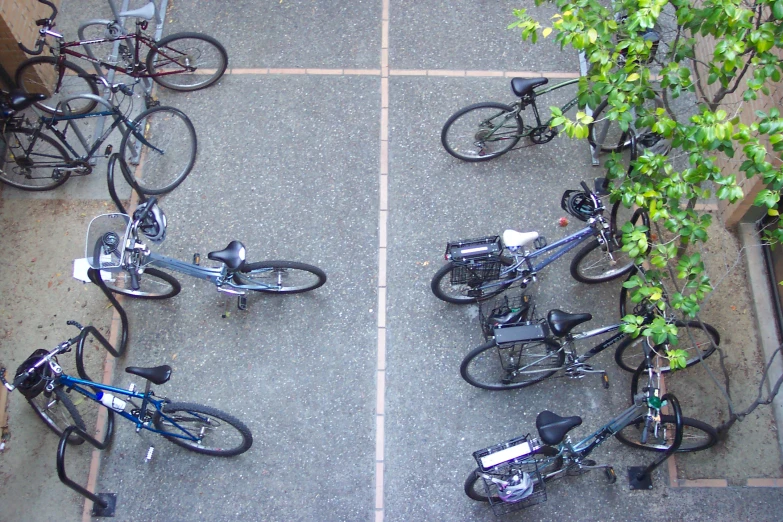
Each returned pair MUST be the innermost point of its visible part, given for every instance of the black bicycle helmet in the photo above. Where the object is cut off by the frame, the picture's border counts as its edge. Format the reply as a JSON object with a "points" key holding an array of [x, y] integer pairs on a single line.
{"points": [[154, 224], [35, 383], [578, 204]]}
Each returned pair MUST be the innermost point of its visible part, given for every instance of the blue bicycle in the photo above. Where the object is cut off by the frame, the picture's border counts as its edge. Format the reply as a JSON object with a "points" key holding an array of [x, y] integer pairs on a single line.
{"points": [[201, 429], [478, 269]]}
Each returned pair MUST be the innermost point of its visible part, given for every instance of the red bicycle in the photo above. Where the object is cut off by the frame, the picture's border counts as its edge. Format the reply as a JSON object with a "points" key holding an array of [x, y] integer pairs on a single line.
{"points": [[181, 62]]}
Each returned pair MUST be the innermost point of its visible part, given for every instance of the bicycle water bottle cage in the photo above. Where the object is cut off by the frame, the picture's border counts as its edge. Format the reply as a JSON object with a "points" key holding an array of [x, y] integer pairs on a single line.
{"points": [[233, 255], [552, 428], [562, 322], [513, 239], [524, 86]]}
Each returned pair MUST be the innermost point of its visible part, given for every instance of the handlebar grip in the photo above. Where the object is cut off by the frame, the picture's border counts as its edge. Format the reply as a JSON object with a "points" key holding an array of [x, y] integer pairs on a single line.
{"points": [[74, 323], [38, 48], [585, 187], [149, 204], [52, 7]]}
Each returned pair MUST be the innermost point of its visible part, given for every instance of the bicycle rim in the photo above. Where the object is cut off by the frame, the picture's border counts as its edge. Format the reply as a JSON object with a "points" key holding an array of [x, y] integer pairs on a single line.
{"points": [[214, 432], [178, 55], [510, 366], [38, 168], [482, 132]]}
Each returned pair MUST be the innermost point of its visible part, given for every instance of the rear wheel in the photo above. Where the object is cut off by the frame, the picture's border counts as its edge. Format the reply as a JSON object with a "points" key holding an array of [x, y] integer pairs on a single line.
{"points": [[692, 338], [29, 165], [58, 412], [509, 366], [187, 61], [205, 430], [696, 436], [474, 288], [548, 463], [481, 132], [39, 76], [153, 284], [280, 277], [607, 136]]}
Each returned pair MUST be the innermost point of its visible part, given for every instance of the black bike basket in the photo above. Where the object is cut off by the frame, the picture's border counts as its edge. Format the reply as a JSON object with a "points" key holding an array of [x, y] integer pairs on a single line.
{"points": [[503, 311], [475, 260], [508, 459]]}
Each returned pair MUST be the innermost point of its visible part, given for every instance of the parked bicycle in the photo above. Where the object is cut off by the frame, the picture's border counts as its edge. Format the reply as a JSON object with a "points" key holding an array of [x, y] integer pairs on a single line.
{"points": [[483, 131], [522, 349], [127, 265], [478, 269], [513, 475], [161, 139], [201, 429], [181, 62]]}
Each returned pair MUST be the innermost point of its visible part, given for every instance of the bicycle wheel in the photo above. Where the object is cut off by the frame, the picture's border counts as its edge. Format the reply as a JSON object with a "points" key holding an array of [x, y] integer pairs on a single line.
{"points": [[187, 61], [37, 167], [472, 291], [474, 484], [509, 366], [630, 352], [606, 135], [218, 434], [696, 436], [153, 284], [58, 412], [593, 264], [482, 131], [162, 143], [39, 76], [280, 277]]}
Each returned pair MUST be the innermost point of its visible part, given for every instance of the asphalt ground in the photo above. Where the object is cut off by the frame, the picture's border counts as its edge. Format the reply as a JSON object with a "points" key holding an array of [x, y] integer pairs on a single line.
{"points": [[352, 391]]}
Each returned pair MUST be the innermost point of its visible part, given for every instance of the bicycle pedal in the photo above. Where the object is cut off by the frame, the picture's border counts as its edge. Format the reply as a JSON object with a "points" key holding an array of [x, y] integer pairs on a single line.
{"points": [[149, 454], [242, 302], [611, 476], [605, 378], [108, 150], [196, 259]]}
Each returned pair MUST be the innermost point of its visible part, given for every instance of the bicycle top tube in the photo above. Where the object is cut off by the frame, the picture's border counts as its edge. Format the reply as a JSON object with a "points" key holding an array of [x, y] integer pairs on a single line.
{"points": [[564, 245], [201, 272], [613, 426]]}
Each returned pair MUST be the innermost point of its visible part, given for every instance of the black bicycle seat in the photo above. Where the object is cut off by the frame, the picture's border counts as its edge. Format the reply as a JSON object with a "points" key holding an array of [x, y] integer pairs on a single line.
{"points": [[156, 375], [562, 322], [552, 428], [523, 86], [233, 255], [20, 100]]}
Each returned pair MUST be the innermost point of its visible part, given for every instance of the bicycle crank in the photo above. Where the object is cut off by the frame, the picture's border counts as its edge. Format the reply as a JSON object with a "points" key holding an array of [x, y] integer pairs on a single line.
{"points": [[543, 134]]}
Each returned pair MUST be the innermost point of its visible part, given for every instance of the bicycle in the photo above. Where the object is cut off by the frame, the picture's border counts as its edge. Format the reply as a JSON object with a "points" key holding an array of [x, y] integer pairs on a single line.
{"points": [[477, 269], [486, 130], [126, 264], [181, 62], [161, 140], [522, 349], [201, 429], [512, 475]]}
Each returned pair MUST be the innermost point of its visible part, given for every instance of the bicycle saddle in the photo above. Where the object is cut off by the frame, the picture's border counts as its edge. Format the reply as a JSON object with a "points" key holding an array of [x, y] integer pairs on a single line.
{"points": [[233, 255], [562, 322], [156, 375], [552, 428], [512, 238], [20, 100], [523, 86], [147, 12]]}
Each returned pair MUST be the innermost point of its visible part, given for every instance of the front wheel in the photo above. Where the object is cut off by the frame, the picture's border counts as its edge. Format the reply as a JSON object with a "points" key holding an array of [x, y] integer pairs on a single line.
{"points": [[203, 429], [39, 75], [469, 287], [152, 284], [596, 263], [280, 277], [187, 61], [161, 142], [32, 162], [509, 366], [482, 131], [692, 338], [548, 463], [696, 435], [58, 412]]}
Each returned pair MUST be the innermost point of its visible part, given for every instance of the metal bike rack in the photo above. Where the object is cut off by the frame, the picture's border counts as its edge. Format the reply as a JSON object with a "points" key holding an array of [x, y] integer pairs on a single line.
{"points": [[640, 477]]}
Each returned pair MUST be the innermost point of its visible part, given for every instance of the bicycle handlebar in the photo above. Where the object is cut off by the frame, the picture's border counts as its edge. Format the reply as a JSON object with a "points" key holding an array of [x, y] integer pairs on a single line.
{"points": [[38, 47], [43, 22]]}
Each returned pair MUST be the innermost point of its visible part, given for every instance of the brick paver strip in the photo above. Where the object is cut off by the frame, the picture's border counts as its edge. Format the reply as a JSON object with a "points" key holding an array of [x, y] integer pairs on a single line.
{"points": [[704, 483], [765, 482]]}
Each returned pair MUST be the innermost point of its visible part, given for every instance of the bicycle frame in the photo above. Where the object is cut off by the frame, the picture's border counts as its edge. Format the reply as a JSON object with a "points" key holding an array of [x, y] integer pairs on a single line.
{"points": [[546, 90]]}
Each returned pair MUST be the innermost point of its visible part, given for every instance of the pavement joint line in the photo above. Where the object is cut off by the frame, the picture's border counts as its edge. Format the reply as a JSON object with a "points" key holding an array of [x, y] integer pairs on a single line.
{"points": [[386, 71]]}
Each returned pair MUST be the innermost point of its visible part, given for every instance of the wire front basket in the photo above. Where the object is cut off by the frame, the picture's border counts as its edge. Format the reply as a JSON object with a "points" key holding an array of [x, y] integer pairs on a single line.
{"points": [[106, 237], [504, 310]]}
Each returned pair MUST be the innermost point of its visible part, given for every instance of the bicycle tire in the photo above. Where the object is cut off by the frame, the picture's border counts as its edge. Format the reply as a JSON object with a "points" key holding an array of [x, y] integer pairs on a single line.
{"points": [[273, 274], [697, 435], [607, 136], [58, 412], [461, 136], [168, 149], [593, 255], [458, 294], [513, 363], [186, 414], [167, 56], [630, 354], [154, 284], [474, 484], [42, 156], [75, 81]]}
